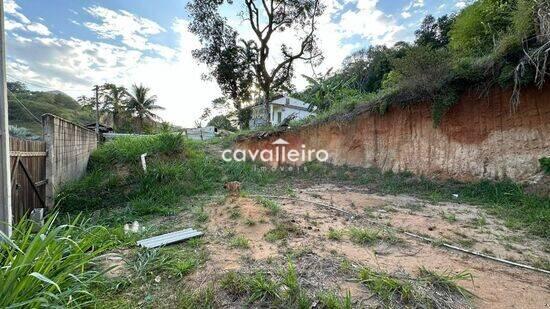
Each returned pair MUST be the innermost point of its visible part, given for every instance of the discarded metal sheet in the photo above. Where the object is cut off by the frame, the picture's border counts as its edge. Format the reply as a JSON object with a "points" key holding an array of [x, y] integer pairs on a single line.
{"points": [[169, 238]]}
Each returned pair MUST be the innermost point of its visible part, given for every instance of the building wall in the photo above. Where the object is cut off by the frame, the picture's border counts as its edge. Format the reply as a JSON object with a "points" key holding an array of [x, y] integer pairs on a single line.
{"points": [[478, 138]]}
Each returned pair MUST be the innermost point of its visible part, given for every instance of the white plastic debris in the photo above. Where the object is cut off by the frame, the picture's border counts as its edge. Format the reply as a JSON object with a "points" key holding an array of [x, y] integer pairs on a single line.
{"points": [[455, 195], [143, 162]]}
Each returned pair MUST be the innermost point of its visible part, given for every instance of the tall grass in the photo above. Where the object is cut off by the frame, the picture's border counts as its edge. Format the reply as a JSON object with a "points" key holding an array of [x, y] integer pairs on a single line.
{"points": [[50, 268], [121, 191]]}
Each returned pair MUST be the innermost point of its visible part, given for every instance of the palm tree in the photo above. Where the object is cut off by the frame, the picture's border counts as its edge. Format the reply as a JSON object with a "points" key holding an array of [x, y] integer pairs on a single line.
{"points": [[115, 99], [142, 104]]}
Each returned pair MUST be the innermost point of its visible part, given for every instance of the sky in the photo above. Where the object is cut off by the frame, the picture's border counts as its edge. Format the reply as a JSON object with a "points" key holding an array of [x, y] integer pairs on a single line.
{"points": [[71, 46]]}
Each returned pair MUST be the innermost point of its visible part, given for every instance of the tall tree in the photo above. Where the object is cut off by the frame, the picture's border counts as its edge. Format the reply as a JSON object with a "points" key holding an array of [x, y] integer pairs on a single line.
{"points": [[142, 104], [266, 18], [115, 98], [434, 33]]}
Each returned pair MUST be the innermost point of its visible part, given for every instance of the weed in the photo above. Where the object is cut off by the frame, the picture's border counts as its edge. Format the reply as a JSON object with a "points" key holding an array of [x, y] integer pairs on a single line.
{"points": [[449, 217], [414, 206], [250, 222], [334, 234], [234, 213], [363, 236], [447, 281], [202, 299], [147, 262], [331, 300], [261, 287], [272, 206], [387, 288], [200, 215], [234, 284], [280, 232], [239, 242], [479, 221]]}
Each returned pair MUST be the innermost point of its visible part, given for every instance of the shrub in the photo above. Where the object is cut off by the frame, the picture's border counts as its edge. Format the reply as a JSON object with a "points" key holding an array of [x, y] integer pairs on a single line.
{"points": [[49, 268], [545, 164], [478, 26]]}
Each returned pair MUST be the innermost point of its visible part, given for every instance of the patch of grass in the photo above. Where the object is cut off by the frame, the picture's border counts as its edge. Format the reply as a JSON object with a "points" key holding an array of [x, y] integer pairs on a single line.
{"points": [[201, 299], [239, 242], [334, 234], [148, 262], [364, 236], [234, 213], [200, 215], [446, 281], [449, 217], [331, 300], [479, 221], [121, 191], [545, 165], [250, 222], [273, 207], [414, 206], [389, 289], [281, 231]]}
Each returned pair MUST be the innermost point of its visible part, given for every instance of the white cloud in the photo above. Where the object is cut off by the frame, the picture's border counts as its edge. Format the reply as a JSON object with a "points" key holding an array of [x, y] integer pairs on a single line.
{"points": [[461, 4], [39, 28], [74, 65], [133, 30], [406, 14], [15, 20]]}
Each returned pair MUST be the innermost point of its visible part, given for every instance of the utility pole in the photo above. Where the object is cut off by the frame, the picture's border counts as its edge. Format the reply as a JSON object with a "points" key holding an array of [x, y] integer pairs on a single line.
{"points": [[5, 179], [96, 88]]}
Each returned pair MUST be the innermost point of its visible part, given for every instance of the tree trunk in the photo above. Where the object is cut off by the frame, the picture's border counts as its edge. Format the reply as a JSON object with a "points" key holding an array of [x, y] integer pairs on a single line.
{"points": [[141, 124], [267, 112]]}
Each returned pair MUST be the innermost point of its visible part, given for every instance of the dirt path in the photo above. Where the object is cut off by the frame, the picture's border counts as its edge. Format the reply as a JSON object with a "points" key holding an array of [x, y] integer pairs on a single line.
{"points": [[320, 259]]}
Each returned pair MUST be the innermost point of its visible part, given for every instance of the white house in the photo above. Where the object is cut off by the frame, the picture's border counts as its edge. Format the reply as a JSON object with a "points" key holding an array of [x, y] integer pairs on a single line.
{"points": [[280, 109]]}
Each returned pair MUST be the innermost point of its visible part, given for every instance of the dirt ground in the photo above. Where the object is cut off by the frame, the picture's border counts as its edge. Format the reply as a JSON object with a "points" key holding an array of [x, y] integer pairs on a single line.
{"points": [[320, 259]]}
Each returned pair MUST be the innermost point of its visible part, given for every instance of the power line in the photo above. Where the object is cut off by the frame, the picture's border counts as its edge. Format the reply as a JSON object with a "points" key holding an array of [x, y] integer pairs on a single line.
{"points": [[24, 107]]}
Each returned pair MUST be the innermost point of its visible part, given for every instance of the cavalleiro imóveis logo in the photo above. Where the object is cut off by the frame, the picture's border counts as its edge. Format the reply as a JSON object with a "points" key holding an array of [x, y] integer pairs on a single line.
{"points": [[279, 152]]}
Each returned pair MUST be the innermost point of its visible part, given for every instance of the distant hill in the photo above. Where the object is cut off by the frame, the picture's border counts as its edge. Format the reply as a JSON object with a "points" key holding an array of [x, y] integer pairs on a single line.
{"points": [[41, 102]]}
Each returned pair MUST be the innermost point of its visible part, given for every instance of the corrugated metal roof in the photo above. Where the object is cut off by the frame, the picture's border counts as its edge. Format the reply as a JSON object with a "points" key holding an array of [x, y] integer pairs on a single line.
{"points": [[169, 238]]}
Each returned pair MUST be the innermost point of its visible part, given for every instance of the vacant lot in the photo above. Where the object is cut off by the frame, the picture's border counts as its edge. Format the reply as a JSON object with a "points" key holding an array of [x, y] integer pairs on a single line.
{"points": [[251, 244], [331, 237]]}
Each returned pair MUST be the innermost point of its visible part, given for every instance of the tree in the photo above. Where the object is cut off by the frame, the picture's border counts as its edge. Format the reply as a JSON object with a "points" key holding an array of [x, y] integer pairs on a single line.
{"points": [[16, 87], [434, 33], [114, 98], [221, 122], [265, 18], [142, 104]]}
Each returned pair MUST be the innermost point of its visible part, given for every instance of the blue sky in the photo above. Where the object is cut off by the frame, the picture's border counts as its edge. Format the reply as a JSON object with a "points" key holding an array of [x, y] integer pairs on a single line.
{"points": [[71, 45]]}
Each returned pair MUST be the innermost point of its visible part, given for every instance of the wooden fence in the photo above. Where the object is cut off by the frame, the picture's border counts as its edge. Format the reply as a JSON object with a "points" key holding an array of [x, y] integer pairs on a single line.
{"points": [[28, 176], [40, 168]]}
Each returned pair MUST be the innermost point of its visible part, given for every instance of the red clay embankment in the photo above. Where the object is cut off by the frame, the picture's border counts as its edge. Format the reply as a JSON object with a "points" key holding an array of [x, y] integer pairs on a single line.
{"points": [[479, 137]]}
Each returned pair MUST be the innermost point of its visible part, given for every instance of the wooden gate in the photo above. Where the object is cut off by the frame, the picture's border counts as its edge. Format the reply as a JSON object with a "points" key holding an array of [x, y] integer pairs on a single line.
{"points": [[28, 173]]}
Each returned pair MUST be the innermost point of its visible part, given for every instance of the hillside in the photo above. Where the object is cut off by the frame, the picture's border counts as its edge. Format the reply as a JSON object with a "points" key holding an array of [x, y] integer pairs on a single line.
{"points": [[39, 103]]}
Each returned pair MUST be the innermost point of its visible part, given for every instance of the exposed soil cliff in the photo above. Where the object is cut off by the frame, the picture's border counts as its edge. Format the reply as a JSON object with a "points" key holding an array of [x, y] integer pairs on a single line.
{"points": [[479, 137]]}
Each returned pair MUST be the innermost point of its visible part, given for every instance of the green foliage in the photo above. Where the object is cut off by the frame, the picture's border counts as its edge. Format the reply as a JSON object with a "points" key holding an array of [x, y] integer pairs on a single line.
{"points": [[477, 27], [176, 168], [389, 289], [239, 242], [42, 102], [364, 236], [271, 205], [49, 268], [545, 164], [221, 122]]}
